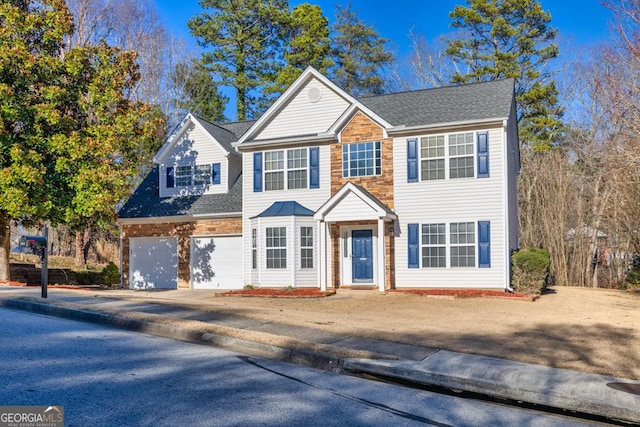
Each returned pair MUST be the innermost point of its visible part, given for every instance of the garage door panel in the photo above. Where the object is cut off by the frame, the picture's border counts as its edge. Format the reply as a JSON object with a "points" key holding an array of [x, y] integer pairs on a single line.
{"points": [[216, 262], [153, 263]]}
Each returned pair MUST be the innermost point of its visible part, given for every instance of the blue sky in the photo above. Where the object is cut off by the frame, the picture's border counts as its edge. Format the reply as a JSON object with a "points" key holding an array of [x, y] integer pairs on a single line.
{"points": [[580, 21]]}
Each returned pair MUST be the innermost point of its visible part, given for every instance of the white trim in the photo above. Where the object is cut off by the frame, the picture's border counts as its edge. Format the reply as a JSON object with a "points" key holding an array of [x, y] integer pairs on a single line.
{"points": [[182, 218], [351, 112], [402, 129], [381, 262], [322, 270], [346, 258], [349, 187], [294, 254], [505, 208], [175, 136], [288, 141], [309, 73]]}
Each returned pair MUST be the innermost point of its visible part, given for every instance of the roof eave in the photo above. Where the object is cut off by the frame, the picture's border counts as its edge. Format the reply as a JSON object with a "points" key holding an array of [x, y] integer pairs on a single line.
{"points": [[402, 129], [294, 140], [177, 218]]}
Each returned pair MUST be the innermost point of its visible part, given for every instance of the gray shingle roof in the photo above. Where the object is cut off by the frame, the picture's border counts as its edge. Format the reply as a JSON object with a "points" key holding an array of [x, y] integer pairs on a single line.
{"points": [[478, 101], [238, 128], [146, 202]]}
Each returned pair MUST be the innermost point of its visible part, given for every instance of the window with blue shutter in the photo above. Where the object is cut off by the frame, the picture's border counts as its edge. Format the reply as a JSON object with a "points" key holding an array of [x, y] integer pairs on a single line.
{"points": [[314, 167], [170, 178], [414, 245], [257, 172], [483, 155], [412, 160], [215, 173], [484, 244]]}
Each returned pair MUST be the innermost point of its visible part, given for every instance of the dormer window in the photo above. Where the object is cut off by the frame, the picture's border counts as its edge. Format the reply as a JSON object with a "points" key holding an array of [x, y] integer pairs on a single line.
{"points": [[193, 175]]}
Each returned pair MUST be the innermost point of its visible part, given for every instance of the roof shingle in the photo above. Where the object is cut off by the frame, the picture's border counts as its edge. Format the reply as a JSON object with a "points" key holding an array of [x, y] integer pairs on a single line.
{"points": [[145, 202]]}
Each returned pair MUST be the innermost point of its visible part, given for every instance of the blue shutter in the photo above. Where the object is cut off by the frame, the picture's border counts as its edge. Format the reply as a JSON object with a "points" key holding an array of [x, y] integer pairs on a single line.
{"points": [[412, 160], [314, 167], [414, 246], [170, 180], [215, 173], [257, 172], [484, 244], [483, 155]]}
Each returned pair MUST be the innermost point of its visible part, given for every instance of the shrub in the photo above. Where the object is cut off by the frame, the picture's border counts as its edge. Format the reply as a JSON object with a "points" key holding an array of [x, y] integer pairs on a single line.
{"points": [[111, 274], [530, 270]]}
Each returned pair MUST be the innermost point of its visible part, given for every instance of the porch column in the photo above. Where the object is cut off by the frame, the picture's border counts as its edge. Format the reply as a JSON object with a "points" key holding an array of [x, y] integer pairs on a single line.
{"points": [[381, 261], [322, 268]]}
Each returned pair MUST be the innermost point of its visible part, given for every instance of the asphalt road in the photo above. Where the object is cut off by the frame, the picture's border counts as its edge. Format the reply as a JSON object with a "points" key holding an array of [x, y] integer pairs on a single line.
{"points": [[109, 377]]}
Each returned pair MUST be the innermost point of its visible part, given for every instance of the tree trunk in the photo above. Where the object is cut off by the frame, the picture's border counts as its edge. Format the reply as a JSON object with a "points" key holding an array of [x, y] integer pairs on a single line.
{"points": [[5, 243], [83, 244]]}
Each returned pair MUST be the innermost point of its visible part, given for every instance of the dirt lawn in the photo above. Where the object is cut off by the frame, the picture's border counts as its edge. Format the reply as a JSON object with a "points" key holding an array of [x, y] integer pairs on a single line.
{"points": [[591, 330]]}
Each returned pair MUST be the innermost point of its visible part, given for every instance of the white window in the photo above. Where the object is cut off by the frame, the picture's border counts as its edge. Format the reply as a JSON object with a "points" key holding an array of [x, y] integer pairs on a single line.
{"points": [[297, 168], [254, 248], [461, 158], [462, 240], [306, 247], [276, 247], [183, 176], [433, 157], [434, 245], [274, 170], [294, 164], [362, 159], [202, 175], [447, 156]]}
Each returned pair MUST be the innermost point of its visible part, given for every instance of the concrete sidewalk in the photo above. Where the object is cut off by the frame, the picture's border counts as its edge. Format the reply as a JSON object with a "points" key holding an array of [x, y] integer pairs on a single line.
{"points": [[166, 314]]}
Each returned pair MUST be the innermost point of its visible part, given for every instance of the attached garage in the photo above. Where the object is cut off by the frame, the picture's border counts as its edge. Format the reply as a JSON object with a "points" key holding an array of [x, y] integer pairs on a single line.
{"points": [[153, 263], [216, 262]]}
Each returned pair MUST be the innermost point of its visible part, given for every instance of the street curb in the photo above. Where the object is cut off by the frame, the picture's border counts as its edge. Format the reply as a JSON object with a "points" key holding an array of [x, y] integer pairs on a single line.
{"points": [[317, 360], [429, 376]]}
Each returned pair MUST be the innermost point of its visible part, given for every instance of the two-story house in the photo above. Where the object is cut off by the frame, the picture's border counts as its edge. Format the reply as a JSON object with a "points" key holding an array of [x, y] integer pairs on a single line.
{"points": [[406, 190]]}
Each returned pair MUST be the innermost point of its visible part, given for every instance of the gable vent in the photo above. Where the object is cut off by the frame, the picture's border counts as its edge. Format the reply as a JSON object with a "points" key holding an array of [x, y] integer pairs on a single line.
{"points": [[314, 94]]}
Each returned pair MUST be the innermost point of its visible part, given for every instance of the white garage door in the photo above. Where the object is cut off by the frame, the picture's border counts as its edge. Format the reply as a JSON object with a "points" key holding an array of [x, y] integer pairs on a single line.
{"points": [[216, 262], [153, 263]]}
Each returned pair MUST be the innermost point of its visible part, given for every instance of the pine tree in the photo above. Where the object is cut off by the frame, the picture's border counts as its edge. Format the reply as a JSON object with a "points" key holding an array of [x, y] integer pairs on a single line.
{"points": [[359, 54], [245, 41], [511, 38], [197, 92], [307, 44]]}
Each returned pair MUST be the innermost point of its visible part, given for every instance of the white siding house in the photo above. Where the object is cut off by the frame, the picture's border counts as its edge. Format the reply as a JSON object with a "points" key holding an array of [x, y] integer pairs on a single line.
{"points": [[412, 190], [408, 190]]}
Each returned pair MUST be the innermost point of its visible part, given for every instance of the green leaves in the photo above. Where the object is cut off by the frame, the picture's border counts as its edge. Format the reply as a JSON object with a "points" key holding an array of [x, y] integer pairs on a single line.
{"points": [[70, 139], [511, 38], [359, 54]]}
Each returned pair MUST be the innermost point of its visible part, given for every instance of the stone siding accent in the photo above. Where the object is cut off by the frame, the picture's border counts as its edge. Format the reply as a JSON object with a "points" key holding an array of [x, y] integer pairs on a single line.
{"points": [[182, 230], [363, 129]]}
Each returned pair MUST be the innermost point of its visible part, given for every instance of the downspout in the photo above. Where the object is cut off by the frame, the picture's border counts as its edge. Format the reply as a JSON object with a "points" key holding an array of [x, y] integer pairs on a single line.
{"points": [[506, 206]]}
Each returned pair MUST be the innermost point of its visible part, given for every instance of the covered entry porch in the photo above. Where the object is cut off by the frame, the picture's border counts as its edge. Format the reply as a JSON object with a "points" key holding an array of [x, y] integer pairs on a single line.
{"points": [[356, 241]]}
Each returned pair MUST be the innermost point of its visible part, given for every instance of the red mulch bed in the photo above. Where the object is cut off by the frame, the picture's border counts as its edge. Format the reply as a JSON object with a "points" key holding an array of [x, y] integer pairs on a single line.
{"points": [[465, 293], [50, 285], [278, 293]]}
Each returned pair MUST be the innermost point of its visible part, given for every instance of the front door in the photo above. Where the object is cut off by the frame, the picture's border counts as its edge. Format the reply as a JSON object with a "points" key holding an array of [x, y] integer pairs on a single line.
{"points": [[362, 250]]}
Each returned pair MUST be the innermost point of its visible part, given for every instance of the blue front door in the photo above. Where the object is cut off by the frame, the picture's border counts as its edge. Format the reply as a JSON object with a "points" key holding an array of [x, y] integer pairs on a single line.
{"points": [[362, 250]]}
